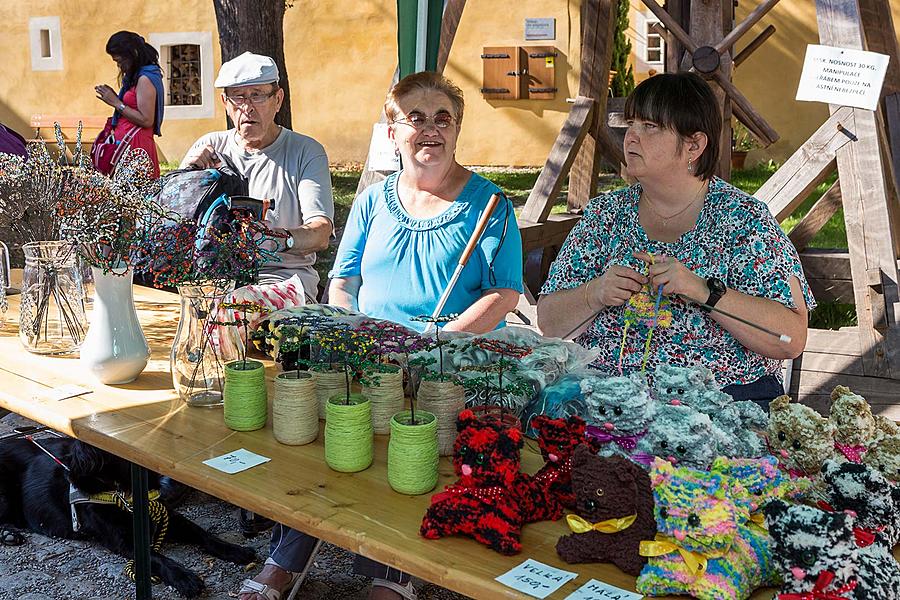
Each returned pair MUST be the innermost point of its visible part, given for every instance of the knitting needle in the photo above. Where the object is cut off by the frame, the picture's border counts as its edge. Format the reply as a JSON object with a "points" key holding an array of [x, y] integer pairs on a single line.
{"points": [[47, 452], [782, 337]]}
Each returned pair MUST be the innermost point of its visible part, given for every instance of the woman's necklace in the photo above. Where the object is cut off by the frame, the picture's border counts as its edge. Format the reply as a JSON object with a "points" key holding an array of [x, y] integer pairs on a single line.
{"points": [[665, 219]]}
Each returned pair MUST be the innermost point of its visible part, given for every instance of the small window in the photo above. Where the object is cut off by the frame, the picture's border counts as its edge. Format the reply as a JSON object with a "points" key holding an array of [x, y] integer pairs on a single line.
{"points": [[184, 71], [656, 46], [45, 44]]}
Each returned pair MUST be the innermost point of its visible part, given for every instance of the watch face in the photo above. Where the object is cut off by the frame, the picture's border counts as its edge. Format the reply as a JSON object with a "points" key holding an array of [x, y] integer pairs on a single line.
{"points": [[715, 285]]}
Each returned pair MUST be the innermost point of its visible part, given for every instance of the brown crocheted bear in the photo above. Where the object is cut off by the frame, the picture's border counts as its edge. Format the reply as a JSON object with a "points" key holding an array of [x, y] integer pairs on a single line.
{"points": [[615, 512]]}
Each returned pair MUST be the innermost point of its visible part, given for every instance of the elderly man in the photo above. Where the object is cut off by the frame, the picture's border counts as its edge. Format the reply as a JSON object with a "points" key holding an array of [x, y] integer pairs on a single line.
{"points": [[287, 167]]}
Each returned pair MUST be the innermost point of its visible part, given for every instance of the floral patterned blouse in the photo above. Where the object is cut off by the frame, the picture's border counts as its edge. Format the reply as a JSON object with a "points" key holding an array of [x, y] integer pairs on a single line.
{"points": [[736, 239]]}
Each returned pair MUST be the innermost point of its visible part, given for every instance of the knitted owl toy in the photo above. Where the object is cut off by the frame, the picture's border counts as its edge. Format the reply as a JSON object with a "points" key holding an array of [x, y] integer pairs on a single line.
{"points": [[864, 491], [486, 502], [683, 436], [800, 438], [817, 553], [884, 455], [614, 507], [705, 546], [743, 421], [557, 439], [619, 410], [854, 423]]}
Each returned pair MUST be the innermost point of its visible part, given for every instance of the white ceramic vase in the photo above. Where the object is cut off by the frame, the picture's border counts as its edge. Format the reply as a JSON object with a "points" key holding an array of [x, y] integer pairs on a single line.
{"points": [[114, 349]]}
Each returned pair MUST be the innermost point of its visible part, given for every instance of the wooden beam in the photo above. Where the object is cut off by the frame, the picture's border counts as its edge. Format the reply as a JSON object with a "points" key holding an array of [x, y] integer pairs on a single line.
{"points": [[453, 11], [559, 162], [672, 25], [750, 48], [676, 9], [807, 167], [813, 221], [749, 116], [870, 238], [599, 21], [553, 232], [878, 23], [744, 26]]}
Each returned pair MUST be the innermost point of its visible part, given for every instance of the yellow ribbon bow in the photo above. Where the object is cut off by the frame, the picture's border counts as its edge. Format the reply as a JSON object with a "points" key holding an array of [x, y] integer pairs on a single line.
{"points": [[758, 519], [579, 525], [696, 561]]}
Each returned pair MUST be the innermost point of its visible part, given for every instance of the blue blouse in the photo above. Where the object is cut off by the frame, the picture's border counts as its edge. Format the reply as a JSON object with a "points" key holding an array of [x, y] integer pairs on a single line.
{"points": [[406, 263], [736, 239]]}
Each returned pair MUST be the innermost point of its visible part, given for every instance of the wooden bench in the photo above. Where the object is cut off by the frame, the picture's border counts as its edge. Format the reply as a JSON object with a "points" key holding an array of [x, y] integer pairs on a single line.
{"points": [[43, 125]]}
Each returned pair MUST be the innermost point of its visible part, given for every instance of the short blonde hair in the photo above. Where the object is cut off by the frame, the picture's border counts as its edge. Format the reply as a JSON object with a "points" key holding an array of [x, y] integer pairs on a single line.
{"points": [[424, 81]]}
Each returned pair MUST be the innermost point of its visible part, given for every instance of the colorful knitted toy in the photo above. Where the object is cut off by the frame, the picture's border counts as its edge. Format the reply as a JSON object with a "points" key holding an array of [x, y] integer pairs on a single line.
{"points": [[619, 410], [800, 438], [864, 491], [855, 427], [817, 554], [557, 439], [683, 436], [884, 455], [762, 480], [615, 512], [743, 421], [705, 546], [485, 503]]}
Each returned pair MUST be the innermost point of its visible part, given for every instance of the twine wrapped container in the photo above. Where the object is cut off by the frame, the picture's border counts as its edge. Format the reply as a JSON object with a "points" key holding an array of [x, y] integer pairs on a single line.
{"points": [[387, 399], [445, 400], [413, 453], [295, 409], [244, 396], [328, 383], [349, 442]]}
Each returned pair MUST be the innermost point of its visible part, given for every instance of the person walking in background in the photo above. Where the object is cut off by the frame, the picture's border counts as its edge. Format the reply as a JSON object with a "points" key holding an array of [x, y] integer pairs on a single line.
{"points": [[141, 99]]}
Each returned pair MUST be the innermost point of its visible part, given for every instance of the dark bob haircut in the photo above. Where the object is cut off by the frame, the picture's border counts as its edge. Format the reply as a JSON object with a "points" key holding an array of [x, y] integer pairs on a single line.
{"points": [[139, 53], [683, 103]]}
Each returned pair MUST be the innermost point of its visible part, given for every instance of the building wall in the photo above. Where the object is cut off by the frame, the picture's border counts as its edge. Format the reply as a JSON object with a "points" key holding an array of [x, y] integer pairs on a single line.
{"points": [[341, 55]]}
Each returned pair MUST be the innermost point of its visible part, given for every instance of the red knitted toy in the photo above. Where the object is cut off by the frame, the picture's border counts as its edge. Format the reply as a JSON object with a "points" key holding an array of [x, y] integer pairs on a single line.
{"points": [[557, 439], [486, 502]]}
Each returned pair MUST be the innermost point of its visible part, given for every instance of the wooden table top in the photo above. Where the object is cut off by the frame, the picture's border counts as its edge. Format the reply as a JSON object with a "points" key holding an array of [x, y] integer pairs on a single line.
{"points": [[146, 423]]}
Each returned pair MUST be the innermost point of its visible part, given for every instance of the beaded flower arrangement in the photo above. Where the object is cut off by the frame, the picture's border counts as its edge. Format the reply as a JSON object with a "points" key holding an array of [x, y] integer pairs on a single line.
{"points": [[351, 348], [424, 360], [491, 381], [238, 318]]}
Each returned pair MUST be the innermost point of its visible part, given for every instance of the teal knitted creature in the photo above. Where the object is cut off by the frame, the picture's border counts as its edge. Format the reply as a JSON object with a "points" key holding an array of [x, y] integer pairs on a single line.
{"points": [[683, 436], [619, 411]]}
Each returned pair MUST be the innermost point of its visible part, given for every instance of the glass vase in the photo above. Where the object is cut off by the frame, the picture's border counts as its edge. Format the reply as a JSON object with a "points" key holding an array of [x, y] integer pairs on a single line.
{"points": [[197, 363], [52, 318]]}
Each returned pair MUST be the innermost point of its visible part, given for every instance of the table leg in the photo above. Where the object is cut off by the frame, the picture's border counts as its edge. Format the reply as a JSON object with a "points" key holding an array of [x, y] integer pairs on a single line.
{"points": [[141, 528]]}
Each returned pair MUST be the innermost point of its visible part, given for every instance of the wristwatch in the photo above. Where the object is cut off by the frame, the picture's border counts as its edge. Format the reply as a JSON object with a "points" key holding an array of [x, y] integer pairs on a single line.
{"points": [[289, 241], [717, 289], [121, 107]]}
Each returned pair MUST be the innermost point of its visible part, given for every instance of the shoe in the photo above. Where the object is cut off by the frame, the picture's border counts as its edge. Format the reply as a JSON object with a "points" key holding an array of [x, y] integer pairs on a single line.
{"points": [[252, 524], [407, 592], [248, 586]]}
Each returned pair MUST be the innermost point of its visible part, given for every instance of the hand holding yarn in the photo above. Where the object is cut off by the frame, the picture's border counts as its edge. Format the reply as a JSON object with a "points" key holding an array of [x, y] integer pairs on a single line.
{"points": [[614, 288], [675, 278]]}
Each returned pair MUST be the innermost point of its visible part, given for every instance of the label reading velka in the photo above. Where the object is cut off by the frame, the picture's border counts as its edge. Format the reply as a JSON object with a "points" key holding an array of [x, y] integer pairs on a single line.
{"points": [[536, 579], [598, 590]]}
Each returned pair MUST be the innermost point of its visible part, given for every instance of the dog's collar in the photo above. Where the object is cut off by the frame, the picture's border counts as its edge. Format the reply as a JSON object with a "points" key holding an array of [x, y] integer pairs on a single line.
{"points": [[76, 497]]}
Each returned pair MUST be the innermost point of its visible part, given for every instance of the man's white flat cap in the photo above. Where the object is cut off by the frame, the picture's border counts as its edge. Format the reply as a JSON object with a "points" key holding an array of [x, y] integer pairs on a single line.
{"points": [[247, 69]]}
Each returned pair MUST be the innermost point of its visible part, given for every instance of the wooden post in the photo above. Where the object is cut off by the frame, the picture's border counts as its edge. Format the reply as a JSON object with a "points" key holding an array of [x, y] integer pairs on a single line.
{"points": [[598, 27], [870, 237]]}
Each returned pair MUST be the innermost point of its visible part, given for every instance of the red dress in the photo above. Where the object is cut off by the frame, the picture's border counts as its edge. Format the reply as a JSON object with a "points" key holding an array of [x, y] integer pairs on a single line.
{"points": [[144, 137]]}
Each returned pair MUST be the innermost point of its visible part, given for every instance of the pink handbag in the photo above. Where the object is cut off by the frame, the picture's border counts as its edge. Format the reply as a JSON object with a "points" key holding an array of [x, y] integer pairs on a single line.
{"points": [[107, 150]]}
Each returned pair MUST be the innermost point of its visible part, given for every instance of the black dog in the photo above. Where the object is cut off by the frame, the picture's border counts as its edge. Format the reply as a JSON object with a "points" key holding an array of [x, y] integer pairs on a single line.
{"points": [[34, 494]]}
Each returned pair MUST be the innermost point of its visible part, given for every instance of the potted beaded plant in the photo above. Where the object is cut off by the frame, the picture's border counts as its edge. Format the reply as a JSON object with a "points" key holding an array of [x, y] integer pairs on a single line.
{"points": [[413, 448], [498, 379], [383, 384], [439, 391], [349, 438], [244, 393]]}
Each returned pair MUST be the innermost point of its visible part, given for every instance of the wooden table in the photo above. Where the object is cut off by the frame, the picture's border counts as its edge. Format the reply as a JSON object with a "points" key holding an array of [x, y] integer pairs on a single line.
{"points": [[145, 423]]}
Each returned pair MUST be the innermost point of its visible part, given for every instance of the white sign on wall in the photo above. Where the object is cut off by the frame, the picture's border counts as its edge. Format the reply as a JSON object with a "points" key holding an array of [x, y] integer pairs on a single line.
{"points": [[382, 151], [540, 28], [842, 76]]}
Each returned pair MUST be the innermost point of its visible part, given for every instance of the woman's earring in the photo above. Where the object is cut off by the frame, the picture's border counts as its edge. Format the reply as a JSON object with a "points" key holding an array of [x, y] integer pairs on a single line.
{"points": [[396, 151], [690, 166]]}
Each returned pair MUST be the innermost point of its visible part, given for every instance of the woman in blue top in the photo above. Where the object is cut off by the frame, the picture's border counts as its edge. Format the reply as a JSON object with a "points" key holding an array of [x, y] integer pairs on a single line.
{"points": [[403, 239], [404, 235]]}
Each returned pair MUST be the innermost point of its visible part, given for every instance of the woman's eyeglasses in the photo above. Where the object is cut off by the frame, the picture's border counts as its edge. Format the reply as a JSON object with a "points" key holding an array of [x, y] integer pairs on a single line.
{"points": [[441, 120], [252, 98]]}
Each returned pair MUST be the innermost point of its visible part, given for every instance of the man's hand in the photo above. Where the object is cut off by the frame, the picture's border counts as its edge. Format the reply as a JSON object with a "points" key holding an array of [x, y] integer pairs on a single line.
{"points": [[674, 277], [203, 158], [615, 287]]}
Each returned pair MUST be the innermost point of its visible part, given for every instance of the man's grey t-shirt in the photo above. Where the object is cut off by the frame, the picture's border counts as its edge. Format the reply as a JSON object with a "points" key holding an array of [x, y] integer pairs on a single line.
{"points": [[292, 172]]}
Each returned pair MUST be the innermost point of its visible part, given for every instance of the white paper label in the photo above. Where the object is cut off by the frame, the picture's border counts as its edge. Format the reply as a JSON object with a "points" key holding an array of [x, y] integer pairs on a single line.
{"points": [[842, 76], [382, 151], [237, 461], [540, 29], [598, 590], [536, 579]]}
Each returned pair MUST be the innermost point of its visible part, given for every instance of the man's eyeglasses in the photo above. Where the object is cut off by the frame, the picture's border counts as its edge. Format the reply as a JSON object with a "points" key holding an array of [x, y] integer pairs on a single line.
{"points": [[441, 120], [252, 98]]}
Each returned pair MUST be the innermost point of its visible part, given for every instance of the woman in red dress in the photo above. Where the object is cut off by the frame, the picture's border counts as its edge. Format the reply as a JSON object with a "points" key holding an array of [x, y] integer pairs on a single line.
{"points": [[141, 100]]}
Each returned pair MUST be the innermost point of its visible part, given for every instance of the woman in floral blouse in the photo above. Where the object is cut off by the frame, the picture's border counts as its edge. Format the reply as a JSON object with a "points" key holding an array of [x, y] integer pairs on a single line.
{"points": [[699, 238]]}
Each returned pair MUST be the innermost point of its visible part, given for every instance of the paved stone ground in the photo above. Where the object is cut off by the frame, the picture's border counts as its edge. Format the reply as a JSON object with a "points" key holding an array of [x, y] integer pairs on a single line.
{"points": [[51, 569]]}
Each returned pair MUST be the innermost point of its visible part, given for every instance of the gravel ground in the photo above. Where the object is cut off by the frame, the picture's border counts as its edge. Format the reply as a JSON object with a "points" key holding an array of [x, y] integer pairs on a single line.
{"points": [[51, 569]]}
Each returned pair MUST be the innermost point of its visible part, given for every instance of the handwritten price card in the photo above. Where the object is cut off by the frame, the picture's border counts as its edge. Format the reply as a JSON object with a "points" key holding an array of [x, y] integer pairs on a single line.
{"points": [[536, 579], [597, 590], [237, 461]]}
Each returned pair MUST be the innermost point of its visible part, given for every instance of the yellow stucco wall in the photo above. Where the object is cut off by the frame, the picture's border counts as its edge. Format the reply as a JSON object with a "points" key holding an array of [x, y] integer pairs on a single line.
{"points": [[341, 55]]}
